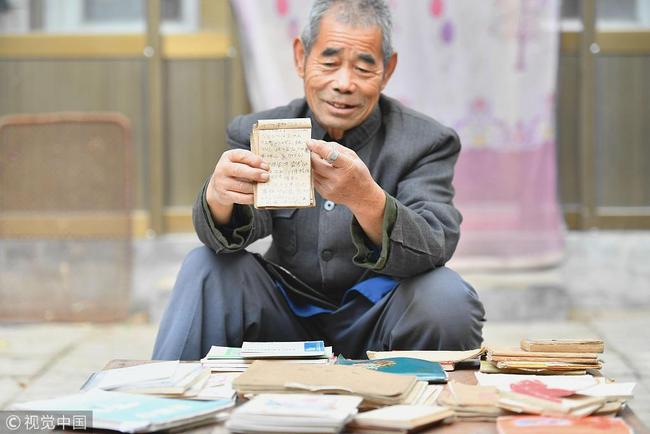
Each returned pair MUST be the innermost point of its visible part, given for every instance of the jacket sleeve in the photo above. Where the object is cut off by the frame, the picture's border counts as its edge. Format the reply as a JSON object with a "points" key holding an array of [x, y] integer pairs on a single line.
{"points": [[247, 224], [421, 225]]}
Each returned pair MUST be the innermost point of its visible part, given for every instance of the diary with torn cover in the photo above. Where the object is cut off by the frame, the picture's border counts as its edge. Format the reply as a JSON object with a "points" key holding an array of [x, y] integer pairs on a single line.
{"points": [[563, 345], [282, 143], [377, 388]]}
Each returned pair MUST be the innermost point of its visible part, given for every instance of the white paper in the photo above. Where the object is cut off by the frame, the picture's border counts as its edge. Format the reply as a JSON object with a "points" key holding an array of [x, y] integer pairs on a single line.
{"points": [[398, 413], [298, 405], [283, 349], [567, 382], [610, 390], [113, 378]]}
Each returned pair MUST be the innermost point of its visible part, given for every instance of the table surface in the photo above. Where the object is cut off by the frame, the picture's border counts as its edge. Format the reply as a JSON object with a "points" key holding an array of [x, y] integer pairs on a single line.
{"points": [[462, 376]]}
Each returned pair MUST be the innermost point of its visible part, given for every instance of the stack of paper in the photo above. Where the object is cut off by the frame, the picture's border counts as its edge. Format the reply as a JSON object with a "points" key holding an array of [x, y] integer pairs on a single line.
{"points": [[218, 386], [472, 402], [376, 388], [422, 393], [161, 378], [448, 359], [132, 413], [561, 395], [563, 345], [423, 370], [516, 360], [288, 413], [231, 359], [398, 419]]}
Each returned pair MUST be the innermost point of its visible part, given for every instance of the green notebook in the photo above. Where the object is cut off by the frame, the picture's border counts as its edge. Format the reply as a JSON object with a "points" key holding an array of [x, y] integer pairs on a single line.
{"points": [[423, 369]]}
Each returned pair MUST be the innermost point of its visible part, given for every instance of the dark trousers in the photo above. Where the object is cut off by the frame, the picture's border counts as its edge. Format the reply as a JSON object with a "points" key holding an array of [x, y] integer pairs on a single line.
{"points": [[229, 298]]}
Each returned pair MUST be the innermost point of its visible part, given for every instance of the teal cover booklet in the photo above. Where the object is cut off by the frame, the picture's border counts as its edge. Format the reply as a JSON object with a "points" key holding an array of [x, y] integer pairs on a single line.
{"points": [[132, 413], [423, 369]]}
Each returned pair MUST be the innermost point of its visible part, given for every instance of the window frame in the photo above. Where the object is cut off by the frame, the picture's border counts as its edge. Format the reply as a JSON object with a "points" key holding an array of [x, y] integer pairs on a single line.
{"points": [[68, 17]]}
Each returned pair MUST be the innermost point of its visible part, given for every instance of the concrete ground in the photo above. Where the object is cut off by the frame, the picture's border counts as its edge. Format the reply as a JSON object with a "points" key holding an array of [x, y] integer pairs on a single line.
{"points": [[601, 289]]}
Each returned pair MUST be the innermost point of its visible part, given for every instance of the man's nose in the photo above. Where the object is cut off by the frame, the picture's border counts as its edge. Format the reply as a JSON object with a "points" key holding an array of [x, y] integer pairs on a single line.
{"points": [[344, 82]]}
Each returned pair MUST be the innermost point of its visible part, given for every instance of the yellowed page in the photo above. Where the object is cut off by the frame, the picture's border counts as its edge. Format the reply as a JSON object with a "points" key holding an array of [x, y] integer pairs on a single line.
{"points": [[282, 143]]}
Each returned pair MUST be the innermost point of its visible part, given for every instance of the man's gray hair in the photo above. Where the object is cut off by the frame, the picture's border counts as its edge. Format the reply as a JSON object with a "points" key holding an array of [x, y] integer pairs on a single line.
{"points": [[365, 13]]}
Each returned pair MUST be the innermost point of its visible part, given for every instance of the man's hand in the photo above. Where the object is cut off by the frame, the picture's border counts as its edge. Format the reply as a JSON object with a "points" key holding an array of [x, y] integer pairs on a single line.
{"points": [[232, 182], [347, 181]]}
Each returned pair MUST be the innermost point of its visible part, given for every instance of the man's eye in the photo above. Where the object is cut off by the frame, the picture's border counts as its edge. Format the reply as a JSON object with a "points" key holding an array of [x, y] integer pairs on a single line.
{"points": [[329, 64], [363, 70]]}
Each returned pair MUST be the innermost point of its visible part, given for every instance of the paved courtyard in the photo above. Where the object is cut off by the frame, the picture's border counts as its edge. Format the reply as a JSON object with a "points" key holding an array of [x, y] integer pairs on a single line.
{"points": [[601, 289], [47, 360]]}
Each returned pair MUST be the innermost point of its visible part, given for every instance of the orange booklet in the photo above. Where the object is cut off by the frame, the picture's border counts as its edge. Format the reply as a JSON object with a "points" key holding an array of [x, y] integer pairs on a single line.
{"points": [[561, 425]]}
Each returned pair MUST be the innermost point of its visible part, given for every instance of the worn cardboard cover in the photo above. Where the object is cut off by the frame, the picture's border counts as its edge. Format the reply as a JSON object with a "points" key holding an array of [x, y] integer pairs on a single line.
{"points": [[376, 387], [564, 345]]}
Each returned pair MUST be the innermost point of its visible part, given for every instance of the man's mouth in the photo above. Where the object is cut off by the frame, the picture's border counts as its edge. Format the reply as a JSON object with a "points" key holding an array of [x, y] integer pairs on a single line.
{"points": [[340, 105]]}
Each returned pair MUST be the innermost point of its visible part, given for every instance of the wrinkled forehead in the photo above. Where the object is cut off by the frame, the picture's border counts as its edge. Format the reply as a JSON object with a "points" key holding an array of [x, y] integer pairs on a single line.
{"points": [[335, 34]]}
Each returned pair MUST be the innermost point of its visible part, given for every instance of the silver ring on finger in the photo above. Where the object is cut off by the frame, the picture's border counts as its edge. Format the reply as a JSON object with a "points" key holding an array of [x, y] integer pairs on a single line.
{"points": [[333, 155]]}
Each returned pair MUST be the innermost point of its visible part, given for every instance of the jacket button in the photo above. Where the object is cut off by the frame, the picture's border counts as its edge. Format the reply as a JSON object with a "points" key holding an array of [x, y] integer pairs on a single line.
{"points": [[329, 205], [326, 255]]}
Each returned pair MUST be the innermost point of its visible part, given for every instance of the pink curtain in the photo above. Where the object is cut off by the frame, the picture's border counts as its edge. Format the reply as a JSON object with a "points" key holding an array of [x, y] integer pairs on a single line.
{"points": [[486, 68]]}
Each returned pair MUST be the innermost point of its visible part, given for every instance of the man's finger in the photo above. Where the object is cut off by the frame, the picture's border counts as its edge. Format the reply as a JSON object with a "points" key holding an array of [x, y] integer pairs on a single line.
{"points": [[240, 186], [319, 165], [246, 172], [319, 147], [247, 157], [240, 198], [331, 152]]}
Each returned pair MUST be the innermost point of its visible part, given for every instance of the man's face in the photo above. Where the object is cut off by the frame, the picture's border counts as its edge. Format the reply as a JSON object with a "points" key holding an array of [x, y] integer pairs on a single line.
{"points": [[343, 74]]}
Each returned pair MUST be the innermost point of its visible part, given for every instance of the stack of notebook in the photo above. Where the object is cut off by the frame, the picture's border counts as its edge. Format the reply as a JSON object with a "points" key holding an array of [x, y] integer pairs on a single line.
{"points": [[550, 356], [232, 359], [170, 379], [288, 413], [472, 402], [376, 388], [131, 413], [398, 419], [560, 395]]}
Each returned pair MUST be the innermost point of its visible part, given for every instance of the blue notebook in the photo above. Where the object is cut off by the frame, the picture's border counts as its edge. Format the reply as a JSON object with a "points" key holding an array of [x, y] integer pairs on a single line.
{"points": [[423, 369]]}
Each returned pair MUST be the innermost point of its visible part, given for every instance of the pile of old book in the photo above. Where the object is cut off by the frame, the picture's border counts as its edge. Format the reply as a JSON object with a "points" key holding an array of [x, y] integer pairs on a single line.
{"points": [[298, 387], [288, 413], [474, 403], [546, 356], [543, 377], [376, 388], [556, 395], [234, 359], [166, 379], [127, 412]]}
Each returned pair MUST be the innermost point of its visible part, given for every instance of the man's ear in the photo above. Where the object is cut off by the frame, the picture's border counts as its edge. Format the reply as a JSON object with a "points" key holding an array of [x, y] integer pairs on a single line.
{"points": [[390, 68], [299, 57]]}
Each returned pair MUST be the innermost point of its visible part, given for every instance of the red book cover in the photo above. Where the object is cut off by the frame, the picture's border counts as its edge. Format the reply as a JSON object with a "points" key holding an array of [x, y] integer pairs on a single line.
{"points": [[561, 425]]}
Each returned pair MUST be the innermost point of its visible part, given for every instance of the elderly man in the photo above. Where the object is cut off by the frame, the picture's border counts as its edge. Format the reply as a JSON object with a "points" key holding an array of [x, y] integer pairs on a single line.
{"points": [[364, 269]]}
